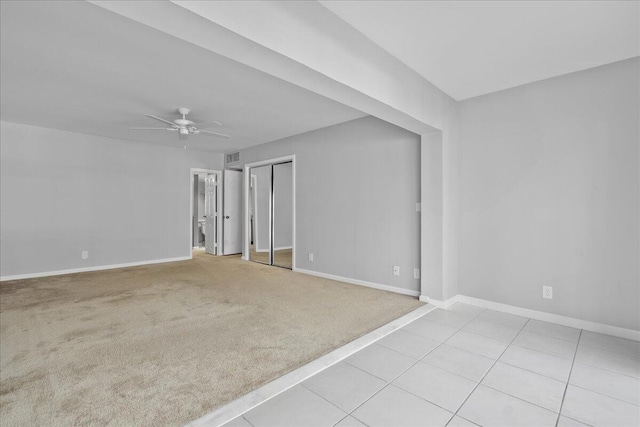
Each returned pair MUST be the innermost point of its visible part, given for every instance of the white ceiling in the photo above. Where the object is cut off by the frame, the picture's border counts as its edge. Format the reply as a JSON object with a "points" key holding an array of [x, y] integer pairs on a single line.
{"points": [[75, 66], [470, 48]]}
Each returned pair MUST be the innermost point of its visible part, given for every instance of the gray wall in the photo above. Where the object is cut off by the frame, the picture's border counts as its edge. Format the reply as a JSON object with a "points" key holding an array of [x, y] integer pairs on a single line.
{"points": [[357, 184], [63, 192], [548, 190], [431, 225]]}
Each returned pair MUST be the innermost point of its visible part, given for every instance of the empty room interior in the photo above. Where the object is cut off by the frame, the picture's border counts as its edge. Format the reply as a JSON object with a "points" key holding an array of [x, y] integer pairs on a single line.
{"points": [[320, 213]]}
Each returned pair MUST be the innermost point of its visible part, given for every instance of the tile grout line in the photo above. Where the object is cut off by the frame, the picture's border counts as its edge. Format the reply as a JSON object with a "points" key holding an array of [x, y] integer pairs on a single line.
{"points": [[566, 387], [545, 352], [502, 324], [551, 336], [578, 421], [609, 351], [389, 382], [344, 358], [519, 398], [462, 328], [489, 370], [245, 418], [605, 395], [607, 370], [484, 336], [546, 376], [412, 365], [533, 372], [346, 414]]}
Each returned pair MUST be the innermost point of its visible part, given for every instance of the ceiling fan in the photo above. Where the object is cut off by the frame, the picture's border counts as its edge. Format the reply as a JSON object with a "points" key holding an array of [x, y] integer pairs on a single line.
{"points": [[185, 127]]}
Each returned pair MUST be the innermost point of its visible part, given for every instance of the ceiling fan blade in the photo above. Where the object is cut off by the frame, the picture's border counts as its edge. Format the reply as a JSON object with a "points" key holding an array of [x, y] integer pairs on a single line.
{"points": [[207, 124], [215, 133], [152, 128], [161, 119]]}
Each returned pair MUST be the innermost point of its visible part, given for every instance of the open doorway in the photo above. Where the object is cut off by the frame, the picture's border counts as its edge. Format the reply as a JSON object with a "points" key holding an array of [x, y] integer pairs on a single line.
{"points": [[204, 218]]}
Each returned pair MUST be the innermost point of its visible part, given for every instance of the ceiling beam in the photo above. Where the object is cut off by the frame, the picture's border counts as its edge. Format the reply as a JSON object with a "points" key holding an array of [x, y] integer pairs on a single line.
{"points": [[305, 44]]}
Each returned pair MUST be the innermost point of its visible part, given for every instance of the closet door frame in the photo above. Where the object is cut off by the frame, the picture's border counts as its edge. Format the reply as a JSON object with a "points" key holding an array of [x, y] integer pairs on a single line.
{"points": [[247, 230]]}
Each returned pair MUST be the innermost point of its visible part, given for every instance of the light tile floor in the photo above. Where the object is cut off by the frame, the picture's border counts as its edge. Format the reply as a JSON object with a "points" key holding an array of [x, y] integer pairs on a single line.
{"points": [[468, 366]]}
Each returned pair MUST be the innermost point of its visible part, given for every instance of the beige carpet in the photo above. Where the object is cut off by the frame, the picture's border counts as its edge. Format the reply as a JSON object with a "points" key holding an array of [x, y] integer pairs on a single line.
{"points": [[165, 344]]}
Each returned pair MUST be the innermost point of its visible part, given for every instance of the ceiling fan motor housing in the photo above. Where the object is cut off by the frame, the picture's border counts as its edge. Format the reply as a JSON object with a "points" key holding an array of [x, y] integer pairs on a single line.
{"points": [[183, 122]]}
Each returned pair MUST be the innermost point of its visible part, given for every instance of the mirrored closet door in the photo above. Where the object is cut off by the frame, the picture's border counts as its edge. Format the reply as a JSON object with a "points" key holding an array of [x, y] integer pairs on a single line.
{"points": [[271, 214]]}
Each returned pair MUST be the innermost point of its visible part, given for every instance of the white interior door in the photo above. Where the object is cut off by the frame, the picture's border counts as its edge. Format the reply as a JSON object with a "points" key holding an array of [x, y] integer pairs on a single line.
{"points": [[232, 206], [211, 213]]}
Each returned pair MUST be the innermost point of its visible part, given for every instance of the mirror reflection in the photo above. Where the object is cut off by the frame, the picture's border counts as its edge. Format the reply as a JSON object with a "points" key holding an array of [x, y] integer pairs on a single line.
{"points": [[271, 214], [282, 214], [259, 214]]}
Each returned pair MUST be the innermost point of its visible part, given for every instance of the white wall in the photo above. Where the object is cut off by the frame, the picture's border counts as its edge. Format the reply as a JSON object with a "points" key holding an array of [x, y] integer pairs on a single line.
{"points": [[548, 192], [357, 184], [63, 192]]}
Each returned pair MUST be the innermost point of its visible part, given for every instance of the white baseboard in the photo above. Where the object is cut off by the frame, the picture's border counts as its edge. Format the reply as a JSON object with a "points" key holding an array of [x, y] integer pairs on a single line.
{"points": [[438, 303], [587, 325], [94, 268], [359, 282]]}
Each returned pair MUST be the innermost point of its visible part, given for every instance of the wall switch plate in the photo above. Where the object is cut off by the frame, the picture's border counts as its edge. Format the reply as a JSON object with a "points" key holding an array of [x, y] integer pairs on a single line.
{"points": [[310, 256], [85, 254], [416, 273], [547, 292], [396, 270], [418, 207]]}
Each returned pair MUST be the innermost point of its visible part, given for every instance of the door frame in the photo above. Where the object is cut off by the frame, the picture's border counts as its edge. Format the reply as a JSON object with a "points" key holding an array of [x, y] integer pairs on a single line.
{"points": [[253, 184], [192, 173], [245, 247]]}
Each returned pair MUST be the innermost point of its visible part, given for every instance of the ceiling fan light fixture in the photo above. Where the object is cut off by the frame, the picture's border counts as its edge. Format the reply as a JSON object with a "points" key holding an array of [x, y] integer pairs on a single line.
{"points": [[183, 126]]}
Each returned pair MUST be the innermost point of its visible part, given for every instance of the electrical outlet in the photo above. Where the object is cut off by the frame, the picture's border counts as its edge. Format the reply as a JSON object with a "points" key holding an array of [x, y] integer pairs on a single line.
{"points": [[416, 273], [85, 254], [547, 292], [310, 256], [396, 270]]}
